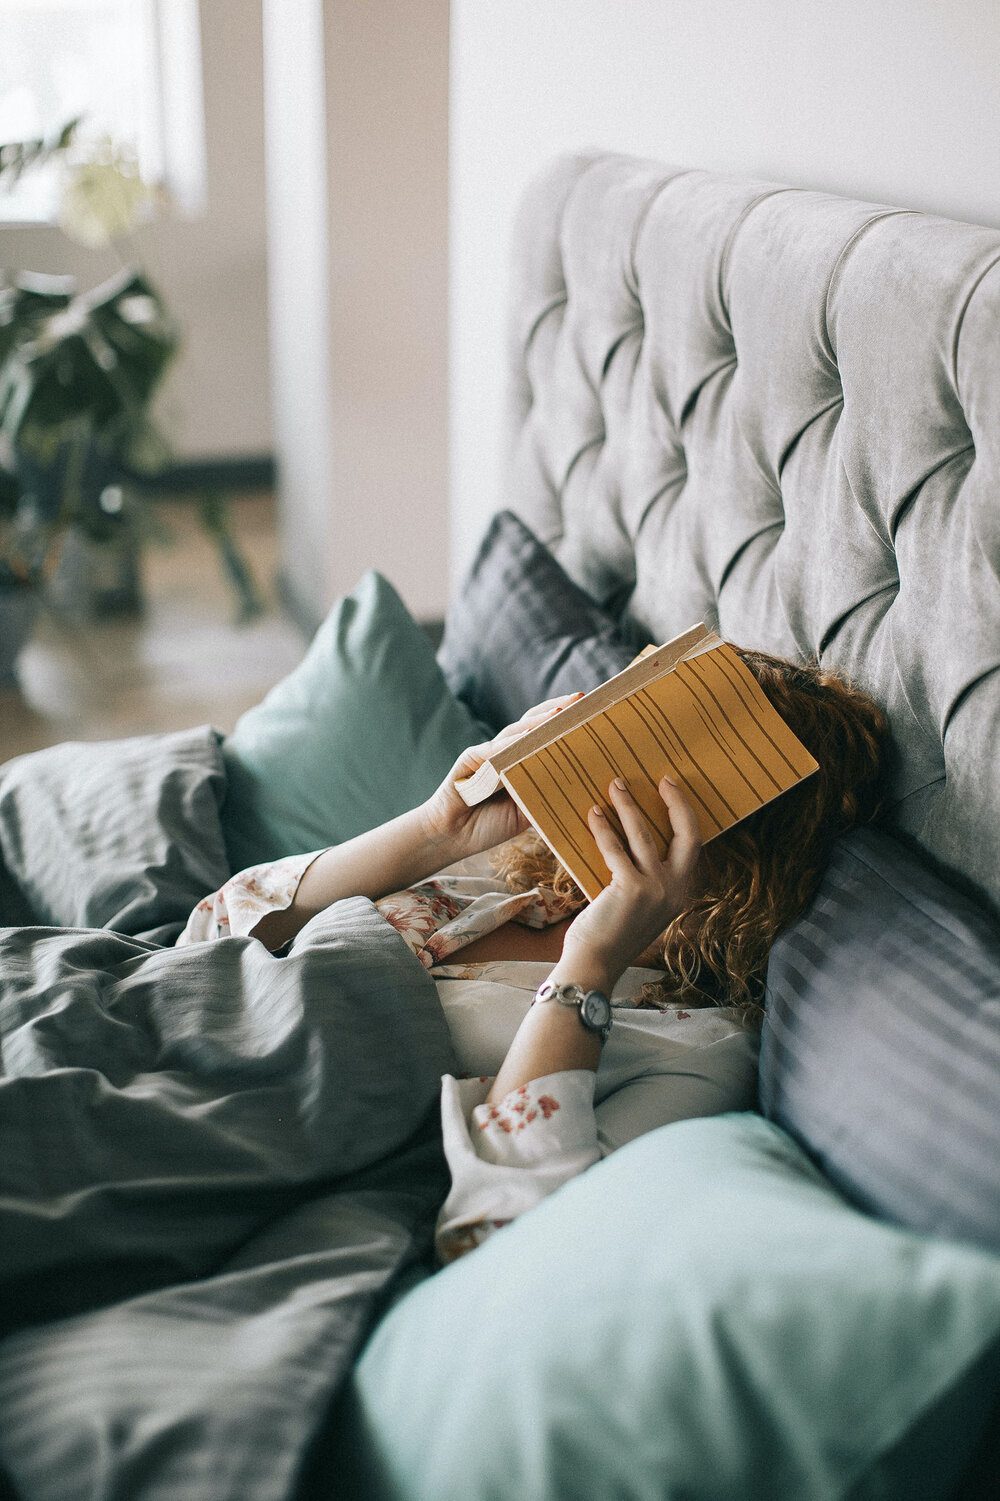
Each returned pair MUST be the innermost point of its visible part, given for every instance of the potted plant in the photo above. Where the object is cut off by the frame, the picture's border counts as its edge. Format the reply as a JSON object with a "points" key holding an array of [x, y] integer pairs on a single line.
{"points": [[18, 597], [78, 373]]}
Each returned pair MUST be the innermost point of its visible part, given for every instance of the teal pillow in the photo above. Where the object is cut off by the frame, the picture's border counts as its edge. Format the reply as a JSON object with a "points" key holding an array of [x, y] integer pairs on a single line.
{"points": [[362, 730], [700, 1316]]}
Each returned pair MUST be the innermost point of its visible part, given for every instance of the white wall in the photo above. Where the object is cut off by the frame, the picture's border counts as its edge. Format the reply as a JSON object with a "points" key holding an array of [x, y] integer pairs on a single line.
{"points": [[896, 101], [212, 269], [299, 291], [357, 134]]}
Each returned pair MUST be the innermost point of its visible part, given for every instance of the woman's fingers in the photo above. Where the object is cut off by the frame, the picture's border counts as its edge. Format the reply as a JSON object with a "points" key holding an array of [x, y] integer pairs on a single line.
{"points": [[642, 845], [549, 705], [616, 856], [472, 758], [686, 842], [532, 718], [638, 831], [515, 731]]}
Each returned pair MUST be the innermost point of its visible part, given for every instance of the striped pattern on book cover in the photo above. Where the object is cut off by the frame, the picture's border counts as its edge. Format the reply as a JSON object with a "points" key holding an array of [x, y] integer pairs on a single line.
{"points": [[705, 722]]}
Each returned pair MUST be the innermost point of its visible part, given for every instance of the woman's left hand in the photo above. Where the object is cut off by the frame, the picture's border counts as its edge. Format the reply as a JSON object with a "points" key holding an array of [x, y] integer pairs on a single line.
{"points": [[464, 830], [647, 891]]}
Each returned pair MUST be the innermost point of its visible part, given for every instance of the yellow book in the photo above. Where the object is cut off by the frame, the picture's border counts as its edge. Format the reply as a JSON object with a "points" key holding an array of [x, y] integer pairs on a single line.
{"points": [[690, 709]]}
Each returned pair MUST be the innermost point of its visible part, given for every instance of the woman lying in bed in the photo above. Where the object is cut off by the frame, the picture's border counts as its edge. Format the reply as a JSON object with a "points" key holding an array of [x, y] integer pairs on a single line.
{"points": [[548, 1085]]}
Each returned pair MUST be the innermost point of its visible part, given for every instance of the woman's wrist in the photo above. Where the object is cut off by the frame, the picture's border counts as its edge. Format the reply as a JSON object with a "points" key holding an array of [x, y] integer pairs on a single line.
{"points": [[588, 968], [442, 845]]}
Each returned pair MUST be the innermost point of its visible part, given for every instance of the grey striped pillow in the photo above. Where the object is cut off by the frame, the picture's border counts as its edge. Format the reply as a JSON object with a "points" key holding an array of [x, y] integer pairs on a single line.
{"points": [[881, 1043], [520, 630]]}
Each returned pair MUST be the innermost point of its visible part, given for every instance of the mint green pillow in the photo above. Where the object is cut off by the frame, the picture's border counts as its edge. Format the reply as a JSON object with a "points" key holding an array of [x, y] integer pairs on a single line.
{"points": [[362, 730], [700, 1316]]}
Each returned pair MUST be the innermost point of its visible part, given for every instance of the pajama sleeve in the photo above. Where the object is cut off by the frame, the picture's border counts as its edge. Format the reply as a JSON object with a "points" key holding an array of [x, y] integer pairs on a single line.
{"points": [[507, 1157], [237, 907]]}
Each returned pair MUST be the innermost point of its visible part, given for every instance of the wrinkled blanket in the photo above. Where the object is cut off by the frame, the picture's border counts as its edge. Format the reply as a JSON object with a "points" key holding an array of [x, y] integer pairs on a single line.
{"points": [[213, 1165]]}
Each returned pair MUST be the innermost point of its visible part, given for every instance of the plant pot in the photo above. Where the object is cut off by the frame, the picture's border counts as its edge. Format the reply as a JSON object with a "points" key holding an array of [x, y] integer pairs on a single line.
{"points": [[18, 608], [97, 578], [97, 572]]}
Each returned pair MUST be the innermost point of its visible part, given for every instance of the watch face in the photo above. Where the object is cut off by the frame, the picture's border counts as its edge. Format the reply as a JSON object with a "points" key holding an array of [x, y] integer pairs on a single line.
{"points": [[595, 1010]]}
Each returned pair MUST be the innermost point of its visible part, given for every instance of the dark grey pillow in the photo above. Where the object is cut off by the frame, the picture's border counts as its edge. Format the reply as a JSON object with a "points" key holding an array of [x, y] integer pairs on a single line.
{"points": [[121, 834], [521, 631], [881, 1044]]}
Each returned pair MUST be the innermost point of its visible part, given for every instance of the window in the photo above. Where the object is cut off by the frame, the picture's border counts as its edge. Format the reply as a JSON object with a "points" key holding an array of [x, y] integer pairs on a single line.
{"points": [[131, 68]]}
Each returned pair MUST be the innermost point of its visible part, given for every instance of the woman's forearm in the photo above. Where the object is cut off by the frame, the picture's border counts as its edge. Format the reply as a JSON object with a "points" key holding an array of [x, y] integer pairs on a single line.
{"points": [[552, 1037], [386, 859], [645, 893]]}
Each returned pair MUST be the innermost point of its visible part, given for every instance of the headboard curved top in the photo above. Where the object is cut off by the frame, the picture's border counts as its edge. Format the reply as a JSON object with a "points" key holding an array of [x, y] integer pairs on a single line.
{"points": [[778, 411]]}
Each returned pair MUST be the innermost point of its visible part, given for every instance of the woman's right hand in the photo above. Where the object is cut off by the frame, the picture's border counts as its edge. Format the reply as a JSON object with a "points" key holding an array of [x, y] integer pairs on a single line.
{"points": [[466, 831]]}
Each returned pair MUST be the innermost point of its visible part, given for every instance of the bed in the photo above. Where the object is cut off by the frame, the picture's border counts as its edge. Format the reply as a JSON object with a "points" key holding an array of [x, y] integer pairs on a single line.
{"points": [[768, 409]]}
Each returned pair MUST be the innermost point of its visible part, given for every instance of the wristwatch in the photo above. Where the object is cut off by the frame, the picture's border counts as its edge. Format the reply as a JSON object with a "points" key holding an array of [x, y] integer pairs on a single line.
{"points": [[593, 1006]]}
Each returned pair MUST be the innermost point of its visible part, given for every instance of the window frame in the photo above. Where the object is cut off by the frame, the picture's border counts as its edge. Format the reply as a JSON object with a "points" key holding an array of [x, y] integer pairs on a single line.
{"points": [[170, 133]]}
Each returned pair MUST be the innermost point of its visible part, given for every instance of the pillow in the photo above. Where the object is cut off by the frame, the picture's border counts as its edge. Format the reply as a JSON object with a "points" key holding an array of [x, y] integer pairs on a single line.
{"points": [[699, 1316], [121, 834], [363, 729], [881, 1046], [521, 631]]}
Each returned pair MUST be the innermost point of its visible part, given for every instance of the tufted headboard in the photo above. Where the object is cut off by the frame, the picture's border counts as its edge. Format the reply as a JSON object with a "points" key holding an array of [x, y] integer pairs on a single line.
{"points": [[779, 411]]}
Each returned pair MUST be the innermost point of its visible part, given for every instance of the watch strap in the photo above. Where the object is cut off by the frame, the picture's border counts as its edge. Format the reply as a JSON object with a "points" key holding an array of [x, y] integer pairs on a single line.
{"points": [[577, 997]]}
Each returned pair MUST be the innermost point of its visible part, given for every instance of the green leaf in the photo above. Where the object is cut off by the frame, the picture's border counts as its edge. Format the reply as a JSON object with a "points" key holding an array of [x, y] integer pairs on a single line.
{"points": [[98, 356], [26, 302], [18, 157]]}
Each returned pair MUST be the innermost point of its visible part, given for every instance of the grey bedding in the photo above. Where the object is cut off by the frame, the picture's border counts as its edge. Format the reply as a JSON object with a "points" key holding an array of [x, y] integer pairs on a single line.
{"points": [[121, 834], [214, 1164]]}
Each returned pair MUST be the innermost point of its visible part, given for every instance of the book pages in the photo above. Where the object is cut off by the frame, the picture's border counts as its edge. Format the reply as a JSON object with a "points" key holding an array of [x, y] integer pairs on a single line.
{"points": [[706, 724]]}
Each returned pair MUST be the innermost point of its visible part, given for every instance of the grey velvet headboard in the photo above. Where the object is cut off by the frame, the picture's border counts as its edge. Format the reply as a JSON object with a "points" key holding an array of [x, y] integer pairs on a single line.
{"points": [[779, 411]]}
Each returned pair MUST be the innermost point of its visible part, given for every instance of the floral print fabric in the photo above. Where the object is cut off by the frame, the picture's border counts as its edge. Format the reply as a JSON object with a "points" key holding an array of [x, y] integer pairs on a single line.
{"points": [[441, 916], [507, 1157], [435, 918], [237, 907]]}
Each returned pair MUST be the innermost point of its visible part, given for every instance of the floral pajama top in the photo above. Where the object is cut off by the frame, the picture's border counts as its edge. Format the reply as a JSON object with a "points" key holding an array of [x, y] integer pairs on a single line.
{"points": [[657, 1066]]}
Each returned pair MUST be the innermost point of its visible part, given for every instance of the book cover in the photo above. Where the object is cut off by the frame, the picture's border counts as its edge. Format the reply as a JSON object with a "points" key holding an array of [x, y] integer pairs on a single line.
{"points": [[690, 709]]}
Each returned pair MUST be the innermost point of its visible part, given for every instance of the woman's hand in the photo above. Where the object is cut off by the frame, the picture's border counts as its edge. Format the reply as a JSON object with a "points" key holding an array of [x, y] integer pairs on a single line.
{"points": [[646, 892], [451, 822]]}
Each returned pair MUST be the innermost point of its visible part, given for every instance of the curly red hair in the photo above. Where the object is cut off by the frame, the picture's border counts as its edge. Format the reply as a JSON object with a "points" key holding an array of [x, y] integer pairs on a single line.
{"points": [[760, 875]]}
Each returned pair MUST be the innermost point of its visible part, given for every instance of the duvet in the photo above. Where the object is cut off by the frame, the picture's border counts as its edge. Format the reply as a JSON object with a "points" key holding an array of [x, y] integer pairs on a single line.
{"points": [[214, 1166]]}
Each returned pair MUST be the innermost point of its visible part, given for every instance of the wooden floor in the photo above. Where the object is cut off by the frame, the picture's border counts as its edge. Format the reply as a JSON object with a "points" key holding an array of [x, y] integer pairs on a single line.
{"points": [[183, 662]]}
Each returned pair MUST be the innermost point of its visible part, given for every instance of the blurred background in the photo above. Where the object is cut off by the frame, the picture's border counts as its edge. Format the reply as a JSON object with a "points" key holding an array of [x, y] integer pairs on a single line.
{"points": [[255, 260]]}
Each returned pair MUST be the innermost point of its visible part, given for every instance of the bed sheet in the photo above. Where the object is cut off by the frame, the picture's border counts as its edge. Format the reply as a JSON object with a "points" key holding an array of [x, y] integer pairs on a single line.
{"points": [[216, 1164]]}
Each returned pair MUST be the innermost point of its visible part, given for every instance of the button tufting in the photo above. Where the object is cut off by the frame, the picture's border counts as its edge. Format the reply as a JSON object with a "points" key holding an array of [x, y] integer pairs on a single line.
{"points": [[818, 438]]}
